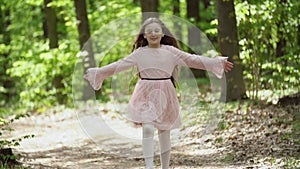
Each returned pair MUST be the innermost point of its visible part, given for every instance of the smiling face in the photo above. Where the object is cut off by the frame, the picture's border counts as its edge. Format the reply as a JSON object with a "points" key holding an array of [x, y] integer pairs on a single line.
{"points": [[153, 33]]}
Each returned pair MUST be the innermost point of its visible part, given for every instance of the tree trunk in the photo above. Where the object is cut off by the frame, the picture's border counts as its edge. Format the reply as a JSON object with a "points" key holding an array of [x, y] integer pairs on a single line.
{"points": [[194, 17], [298, 35], [85, 43], [7, 82], [51, 25], [50, 30], [176, 12], [194, 36], [281, 44], [206, 3], [149, 8], [228, 46]]}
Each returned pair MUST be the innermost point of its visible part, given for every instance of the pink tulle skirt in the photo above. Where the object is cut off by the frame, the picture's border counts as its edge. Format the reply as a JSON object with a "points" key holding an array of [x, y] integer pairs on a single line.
{"points": [[155, 102]]}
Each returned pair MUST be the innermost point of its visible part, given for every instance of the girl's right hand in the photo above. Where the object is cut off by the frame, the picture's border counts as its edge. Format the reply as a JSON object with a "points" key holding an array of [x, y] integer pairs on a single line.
{"points": [[86, 76], [93, 76]]}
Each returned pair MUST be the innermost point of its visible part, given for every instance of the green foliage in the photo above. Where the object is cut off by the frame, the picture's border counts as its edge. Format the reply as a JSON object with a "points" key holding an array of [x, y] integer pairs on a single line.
{"points": [[103, 12], [29, 69], [228, 158], [296, 129], [268, 32], [38, 68], [5, 166], [5, 127], [222, 125], [32, 66]]}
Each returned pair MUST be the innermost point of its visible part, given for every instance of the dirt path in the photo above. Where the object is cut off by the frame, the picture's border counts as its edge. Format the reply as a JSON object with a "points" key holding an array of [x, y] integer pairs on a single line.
{"points": [[68, 139], [71, 140]]}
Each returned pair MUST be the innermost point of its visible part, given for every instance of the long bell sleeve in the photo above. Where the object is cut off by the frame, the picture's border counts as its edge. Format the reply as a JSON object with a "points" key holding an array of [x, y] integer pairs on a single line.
{"points": [[214, 65], [96, 75]]}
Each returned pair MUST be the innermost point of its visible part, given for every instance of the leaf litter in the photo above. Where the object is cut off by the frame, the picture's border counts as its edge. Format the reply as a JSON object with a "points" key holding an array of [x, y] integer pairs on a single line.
{"points": [[247, 136]]}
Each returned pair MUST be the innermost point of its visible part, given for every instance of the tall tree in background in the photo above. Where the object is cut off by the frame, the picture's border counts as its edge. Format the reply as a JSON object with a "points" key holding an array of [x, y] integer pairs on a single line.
{"points": [[193, 14], [194, 36], [5, 81], [281, 44], [228, 46], [85, 42], [83, 23], [51, 24], [176, 12], [149, 8], [206, 3], [50, 31]]}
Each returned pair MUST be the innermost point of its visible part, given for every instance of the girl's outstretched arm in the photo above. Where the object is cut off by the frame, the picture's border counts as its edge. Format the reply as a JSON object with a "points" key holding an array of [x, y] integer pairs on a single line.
{"points": [[96, 75], [217, 65]]}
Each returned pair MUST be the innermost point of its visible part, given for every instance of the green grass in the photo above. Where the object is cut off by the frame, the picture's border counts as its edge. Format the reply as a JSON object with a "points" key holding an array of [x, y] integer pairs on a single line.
{"points": [[228, 158], [222, 125], [296, 127], [5, 166]]}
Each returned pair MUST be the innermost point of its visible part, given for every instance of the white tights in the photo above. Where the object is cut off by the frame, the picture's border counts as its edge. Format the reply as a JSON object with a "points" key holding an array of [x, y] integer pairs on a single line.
{"points": [[148, 146]]}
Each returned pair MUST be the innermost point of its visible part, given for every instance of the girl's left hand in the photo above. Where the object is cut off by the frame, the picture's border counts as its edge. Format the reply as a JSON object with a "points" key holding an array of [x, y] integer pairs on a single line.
{"points": [[227, 66]]}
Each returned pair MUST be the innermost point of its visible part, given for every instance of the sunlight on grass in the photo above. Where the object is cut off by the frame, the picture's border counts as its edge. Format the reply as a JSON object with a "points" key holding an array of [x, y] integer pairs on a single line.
{"points": [[5, 166], [271, 95]]}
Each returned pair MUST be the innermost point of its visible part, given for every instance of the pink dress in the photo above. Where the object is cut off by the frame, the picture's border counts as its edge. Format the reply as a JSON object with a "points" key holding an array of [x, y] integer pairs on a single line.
{"points": [[155, 101]]}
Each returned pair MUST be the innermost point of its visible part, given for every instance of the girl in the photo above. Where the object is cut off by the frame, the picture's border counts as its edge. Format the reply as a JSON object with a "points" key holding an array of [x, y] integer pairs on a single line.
{"points": [[154, 102]]}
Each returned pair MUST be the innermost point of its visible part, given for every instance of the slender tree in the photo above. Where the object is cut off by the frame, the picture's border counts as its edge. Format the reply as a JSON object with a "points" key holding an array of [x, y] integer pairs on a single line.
{"points": [[228, 46], [206, 3], [84, 31], [85, 42], [149, 8], [194, 35], [281, 43], [193, 14], [176, 12], [51, 24], [5, 80], [83, 23], [50, 32]]}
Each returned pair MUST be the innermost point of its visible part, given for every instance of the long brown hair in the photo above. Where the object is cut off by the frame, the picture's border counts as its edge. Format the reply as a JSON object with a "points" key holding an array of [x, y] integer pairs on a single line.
{"points": [[167, 39]]}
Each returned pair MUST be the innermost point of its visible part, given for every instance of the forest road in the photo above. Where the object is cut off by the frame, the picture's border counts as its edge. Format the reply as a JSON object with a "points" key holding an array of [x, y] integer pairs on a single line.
{"points": [[67, 139]]}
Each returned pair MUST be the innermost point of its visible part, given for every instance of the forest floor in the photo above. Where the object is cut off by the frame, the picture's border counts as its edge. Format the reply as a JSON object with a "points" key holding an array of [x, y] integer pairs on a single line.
{"points": [[248, 136]]}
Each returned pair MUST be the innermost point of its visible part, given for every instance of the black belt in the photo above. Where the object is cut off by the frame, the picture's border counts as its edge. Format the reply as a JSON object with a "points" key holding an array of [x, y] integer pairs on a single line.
{"points": [[166, 78]]}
